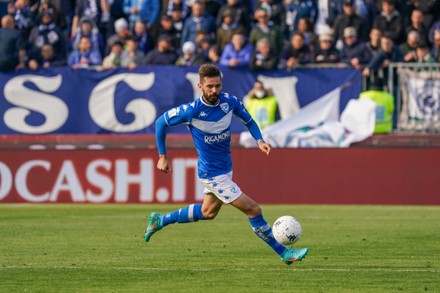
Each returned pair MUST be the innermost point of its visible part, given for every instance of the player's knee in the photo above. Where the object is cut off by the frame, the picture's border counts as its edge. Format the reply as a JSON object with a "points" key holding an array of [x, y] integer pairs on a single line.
{"points": [[210, 215]]}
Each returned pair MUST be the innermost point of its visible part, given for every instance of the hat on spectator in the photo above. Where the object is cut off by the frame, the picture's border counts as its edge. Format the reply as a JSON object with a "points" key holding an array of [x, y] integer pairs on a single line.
{"points": [[350, 31], [325, 37], [188, 47], [348, 2], [177, 7], [121, 24], [164, 37], [227, 12]]}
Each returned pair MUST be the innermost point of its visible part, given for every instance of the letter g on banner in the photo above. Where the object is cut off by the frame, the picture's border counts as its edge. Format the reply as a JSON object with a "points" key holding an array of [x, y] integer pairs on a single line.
{"points": [[102, 109]]}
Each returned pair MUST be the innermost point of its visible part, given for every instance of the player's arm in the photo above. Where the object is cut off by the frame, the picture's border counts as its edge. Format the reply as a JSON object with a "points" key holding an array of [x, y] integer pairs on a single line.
{"points": [[161, 132], [172, 117], [254, 130]]}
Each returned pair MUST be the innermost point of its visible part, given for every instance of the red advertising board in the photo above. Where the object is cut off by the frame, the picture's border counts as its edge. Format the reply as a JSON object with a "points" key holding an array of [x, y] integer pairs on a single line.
{"points": [[318, 176]]}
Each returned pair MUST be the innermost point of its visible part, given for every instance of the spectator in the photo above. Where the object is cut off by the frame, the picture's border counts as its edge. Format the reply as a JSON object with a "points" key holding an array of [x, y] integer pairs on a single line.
{"points": [[237, 53], [305, 28], [48, 33], [436, 46], [12, 46], [189, 55], [44, 58], [296, 9], [275, 9], [423, 54], [122, 34], [373, 45], [263, 58], [226, 29], [84, 57], [113, 60], [170, 5], [417, 25], [408, 48], [238, 13], [326, 51], [145, 10], [213, 55], [262, 105], [388, 53], [198, 22], [142, 37], [328, 10], [295, 53], [96, 10], [266, 30], [203, 43], [390, 21], [349, 19], [132, 56], [435, 27], [164, 54], [429, 8], [166, 26], [88, 28], [178, 20], [24, 16], [354, 52], [58, 16]]}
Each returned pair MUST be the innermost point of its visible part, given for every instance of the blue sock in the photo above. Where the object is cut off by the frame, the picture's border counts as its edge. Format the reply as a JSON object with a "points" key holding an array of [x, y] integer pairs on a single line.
{"points": [[191, 213], [264, 231]]}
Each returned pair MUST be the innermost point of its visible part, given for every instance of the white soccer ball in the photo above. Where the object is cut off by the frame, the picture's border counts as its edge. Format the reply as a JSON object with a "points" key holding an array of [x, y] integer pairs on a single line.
{"points": [[286, 230]]}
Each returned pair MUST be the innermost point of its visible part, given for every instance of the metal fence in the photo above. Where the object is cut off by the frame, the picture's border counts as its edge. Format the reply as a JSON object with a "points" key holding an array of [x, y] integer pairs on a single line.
{"points": [[416, 88]]}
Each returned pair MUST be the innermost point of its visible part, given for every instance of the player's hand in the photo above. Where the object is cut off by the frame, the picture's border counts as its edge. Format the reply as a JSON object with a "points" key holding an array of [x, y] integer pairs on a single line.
{"points": [[264, 147], [163, 164]]}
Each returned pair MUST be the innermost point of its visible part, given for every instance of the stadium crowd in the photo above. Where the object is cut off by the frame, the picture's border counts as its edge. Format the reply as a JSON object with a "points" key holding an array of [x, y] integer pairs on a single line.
{"points": [[257, 34]]}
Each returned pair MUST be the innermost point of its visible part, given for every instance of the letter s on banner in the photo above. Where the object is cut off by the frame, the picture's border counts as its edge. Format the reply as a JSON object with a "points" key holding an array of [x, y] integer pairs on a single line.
{"points": [[54, 110], [101, 103]]}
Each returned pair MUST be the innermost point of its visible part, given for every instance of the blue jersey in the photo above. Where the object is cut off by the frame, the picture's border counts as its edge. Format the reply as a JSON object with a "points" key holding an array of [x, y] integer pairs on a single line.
{"points": [[210, 128]]}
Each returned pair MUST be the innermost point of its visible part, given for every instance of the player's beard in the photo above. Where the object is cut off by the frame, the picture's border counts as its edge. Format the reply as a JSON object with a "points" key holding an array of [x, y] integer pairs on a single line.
{"points": [[212, 98]]}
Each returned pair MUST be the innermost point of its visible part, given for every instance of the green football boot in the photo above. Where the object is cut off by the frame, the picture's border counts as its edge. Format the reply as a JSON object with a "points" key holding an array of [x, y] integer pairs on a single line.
{"points": [[154, 225], [290, 255]]}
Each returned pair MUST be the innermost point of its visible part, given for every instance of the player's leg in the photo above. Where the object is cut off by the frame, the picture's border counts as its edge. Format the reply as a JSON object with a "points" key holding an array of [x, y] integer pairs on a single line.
{"points": [[192, 213], [262, 229]]}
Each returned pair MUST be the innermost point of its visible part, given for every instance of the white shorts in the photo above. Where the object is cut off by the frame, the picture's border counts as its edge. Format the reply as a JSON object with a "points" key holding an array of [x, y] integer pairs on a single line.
{"points": [[223, 187]]}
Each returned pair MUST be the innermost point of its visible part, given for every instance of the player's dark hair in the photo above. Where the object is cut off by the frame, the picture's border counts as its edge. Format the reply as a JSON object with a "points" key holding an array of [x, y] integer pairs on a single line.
{"points": [[208, 70]]}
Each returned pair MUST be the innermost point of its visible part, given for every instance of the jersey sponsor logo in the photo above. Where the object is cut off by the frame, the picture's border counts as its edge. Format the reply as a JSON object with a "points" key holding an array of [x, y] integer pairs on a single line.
{"points": [[224, 107], [211, 139], [173, 112]]}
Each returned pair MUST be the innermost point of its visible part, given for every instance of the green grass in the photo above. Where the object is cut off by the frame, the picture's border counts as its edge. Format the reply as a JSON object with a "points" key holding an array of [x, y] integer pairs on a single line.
{"points": [[100, 248]]}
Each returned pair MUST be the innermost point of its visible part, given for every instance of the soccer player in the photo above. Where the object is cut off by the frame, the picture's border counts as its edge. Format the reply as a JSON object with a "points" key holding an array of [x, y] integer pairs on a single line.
{"points": [[208, 119]]}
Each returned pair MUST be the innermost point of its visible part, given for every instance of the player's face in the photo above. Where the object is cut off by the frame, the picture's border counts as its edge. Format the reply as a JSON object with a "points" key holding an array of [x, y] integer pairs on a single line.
{"points": [[211, 88]]}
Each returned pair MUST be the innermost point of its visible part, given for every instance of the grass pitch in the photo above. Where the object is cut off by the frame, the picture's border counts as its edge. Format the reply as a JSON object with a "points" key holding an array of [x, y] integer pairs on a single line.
{"points": [[100, 248]]}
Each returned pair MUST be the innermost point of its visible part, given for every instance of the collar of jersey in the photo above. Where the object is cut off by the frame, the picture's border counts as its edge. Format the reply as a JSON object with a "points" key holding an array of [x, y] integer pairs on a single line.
{"points": [[209, 105]]}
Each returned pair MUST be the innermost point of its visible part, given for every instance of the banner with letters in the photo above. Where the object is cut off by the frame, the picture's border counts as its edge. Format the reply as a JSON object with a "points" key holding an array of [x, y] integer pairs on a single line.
{"points": [[420, 108], [69, 101]]}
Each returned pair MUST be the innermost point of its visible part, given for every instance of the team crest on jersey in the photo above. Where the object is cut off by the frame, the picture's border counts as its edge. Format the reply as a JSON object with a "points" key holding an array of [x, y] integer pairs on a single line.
{"points": [[224, 107]]}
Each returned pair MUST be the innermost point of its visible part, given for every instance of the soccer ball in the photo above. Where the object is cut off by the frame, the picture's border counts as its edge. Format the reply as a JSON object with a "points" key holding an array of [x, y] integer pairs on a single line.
{"points": [[286, 230]]}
